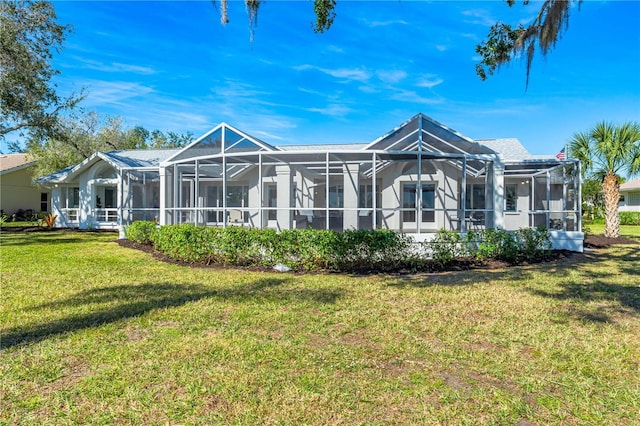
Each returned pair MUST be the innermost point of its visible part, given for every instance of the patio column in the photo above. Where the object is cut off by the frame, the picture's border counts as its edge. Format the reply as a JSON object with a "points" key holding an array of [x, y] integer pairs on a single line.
{"points": [[462, 219], [351, 194], [163, 195], [497, 180], [284, 181]]}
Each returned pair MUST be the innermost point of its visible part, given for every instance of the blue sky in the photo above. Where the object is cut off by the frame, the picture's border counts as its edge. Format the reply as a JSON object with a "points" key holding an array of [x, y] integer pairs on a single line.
{"points": [[173, 66]]}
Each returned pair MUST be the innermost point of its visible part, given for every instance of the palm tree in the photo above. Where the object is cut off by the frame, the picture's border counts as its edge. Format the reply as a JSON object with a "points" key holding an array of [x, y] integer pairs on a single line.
{"points": [[606, 151]]}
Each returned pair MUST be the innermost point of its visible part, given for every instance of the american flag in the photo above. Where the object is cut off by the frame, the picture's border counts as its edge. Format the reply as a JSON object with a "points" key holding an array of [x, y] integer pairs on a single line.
{"points": [[560, 155]]}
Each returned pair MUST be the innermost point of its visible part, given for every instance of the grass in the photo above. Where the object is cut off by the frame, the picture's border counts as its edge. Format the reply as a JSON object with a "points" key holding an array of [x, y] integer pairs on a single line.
{"points": [[96, 333], [628, 231]]}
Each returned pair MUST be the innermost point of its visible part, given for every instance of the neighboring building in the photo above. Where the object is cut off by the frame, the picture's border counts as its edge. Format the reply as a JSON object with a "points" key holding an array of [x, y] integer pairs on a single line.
{"points": [[18, 193], [630, 196], [418, 178]]}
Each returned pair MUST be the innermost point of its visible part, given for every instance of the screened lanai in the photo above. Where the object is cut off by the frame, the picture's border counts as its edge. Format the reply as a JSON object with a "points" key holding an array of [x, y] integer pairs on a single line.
{"points": [[418, 178]]}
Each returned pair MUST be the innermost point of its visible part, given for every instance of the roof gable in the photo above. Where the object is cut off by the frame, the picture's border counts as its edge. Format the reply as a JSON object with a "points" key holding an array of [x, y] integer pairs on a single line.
{"points": [[119, 160], [422, 133], [13, 162], [221, 138]]}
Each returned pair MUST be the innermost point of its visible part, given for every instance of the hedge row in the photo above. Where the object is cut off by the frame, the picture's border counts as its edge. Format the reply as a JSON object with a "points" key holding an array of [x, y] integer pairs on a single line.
{"points": [[629, 218], [347, 251]]}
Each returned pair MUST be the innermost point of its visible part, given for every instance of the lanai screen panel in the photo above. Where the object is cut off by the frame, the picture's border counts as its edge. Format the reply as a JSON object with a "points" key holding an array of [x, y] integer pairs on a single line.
{"points": [[236, 143], [209, 145], [399, 139]]}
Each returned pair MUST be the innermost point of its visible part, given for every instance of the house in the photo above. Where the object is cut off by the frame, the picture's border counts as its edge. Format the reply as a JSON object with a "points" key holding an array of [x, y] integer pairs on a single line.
{"points": [[18, 194], [630, 196], [418, 178]]}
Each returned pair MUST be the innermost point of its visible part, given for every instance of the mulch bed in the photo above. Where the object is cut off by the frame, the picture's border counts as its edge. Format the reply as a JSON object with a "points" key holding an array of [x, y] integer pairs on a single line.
{"points": [[599, 241]]}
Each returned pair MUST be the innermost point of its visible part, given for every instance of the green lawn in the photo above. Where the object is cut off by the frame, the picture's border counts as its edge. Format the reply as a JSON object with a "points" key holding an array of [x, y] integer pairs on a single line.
{"points": [[628, 231], [100, 334]]}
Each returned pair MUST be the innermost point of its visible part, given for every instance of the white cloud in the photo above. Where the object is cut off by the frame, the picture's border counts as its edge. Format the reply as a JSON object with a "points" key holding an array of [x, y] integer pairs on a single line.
{"points": [[410, 96], [374, 24], [479, 17], [441, 47], [391, 76], [332, 110], [114, 67], [101, 92], [429, 81], [358, 74]]}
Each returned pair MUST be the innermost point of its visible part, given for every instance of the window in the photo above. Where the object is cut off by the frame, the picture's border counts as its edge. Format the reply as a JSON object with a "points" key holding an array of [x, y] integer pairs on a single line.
{"points": [[511, 197], [336, 196], [634, 199], [272, 201], [44, 202], [365, 199], [365, 196], [409, 202], [237, 196], [109, 198], [475, 199]]}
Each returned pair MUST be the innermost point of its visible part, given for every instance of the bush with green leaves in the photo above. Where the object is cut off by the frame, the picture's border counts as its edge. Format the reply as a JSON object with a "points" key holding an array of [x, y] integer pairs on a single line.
{"points": [[141, 231], [299, 249], [447, 246], [629, 218], [533, 242], [526, 244], [347, 251]]}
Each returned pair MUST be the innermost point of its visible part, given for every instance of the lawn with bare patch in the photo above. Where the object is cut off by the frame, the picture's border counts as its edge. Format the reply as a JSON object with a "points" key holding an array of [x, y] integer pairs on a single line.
{"points": [[93, 332]]}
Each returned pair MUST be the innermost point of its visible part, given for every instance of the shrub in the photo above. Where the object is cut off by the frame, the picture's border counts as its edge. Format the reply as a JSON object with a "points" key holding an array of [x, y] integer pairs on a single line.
{"points": [[629, 218], [534, 242], [446, 246], [141, 231], [347, 251], [380, 250], [49, 219], [299, 249]]}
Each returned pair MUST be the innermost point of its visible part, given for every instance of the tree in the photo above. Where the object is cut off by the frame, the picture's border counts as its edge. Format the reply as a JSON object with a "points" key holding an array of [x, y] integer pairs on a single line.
{"points": [[79, 138], [592, 198], [606, 151], [29, 34], [503, 44]]}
